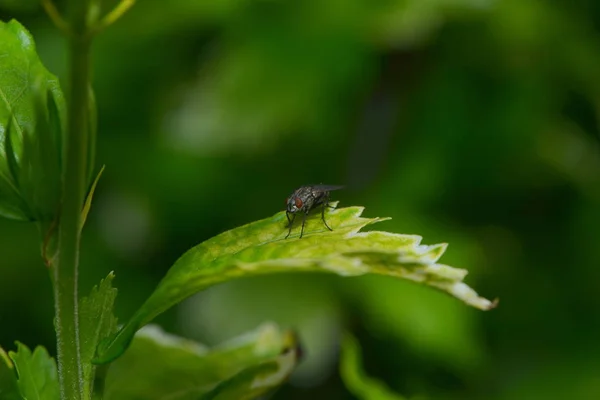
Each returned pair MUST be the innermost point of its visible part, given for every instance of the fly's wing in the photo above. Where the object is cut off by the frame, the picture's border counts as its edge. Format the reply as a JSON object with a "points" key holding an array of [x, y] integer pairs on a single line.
{"points": [[322, 192], [326, 188]]}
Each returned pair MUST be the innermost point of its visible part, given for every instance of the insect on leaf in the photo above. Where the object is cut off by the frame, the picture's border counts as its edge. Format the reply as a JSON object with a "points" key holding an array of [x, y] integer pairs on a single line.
{"points": [[259, 248]]}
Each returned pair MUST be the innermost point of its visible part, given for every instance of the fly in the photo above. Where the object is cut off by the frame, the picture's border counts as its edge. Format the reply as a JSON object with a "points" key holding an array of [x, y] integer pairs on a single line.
{"points": [[305, 199]]}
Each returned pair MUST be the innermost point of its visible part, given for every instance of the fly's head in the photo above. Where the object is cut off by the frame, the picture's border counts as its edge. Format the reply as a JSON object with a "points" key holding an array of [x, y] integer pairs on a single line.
{"points": [[294, 204]]}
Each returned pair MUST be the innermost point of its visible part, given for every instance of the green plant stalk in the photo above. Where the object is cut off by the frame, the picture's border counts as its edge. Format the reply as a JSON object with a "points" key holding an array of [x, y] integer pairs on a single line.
{"points": [[66, 269]]}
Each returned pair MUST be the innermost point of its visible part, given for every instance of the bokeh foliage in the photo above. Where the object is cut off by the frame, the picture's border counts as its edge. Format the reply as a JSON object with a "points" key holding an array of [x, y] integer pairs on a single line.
{"points": [[469, 122]]}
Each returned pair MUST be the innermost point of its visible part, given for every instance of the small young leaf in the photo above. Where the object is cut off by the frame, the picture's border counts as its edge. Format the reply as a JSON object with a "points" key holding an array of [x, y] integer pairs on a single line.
{"points": [[96, 322], [360, 385], [88, 200], [37, 373], [159, 365], [261, 248], [8, 378]]}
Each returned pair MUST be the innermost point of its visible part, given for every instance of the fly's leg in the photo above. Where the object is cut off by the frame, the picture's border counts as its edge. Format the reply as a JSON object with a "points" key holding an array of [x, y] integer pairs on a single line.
{"points": [[291, 221], [325, 204], [303, 221]]}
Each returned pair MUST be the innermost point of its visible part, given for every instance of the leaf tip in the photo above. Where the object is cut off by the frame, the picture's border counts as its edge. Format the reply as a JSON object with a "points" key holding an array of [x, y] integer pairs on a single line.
{"points": [[112, 347], [494, 303]]}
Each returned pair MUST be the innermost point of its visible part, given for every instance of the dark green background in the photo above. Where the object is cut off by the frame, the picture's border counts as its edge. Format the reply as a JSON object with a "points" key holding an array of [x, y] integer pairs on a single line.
{"points": [[472, 122]]}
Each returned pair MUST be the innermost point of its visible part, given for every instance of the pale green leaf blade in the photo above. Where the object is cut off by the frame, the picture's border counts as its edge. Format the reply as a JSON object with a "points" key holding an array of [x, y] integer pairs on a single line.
{"points": [[359, 384], [37, 373], [261, 248], [159, 365], [8, 378], [96, 322]]}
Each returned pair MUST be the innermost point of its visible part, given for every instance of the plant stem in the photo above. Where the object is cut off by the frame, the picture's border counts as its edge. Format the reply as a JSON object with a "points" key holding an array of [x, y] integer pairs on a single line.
{"points": [[66, 268], [55, 16]]}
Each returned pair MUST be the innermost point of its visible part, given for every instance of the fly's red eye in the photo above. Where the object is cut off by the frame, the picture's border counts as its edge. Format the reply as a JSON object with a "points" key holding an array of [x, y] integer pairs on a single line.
{"points": [[298, 202], [287, 200]]}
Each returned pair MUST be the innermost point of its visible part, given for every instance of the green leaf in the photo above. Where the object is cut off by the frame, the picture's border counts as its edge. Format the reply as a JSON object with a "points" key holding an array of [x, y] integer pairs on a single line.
{"points": [[37, 373], [88, 200], [258, 380], [159, 365], [32, 118], [8, 378], [96, 322], [260, 248], [360, 385]]}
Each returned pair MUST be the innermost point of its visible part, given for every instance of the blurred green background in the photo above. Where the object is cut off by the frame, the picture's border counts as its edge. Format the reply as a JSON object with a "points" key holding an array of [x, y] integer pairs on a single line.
{"points": [[472, 122]]}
